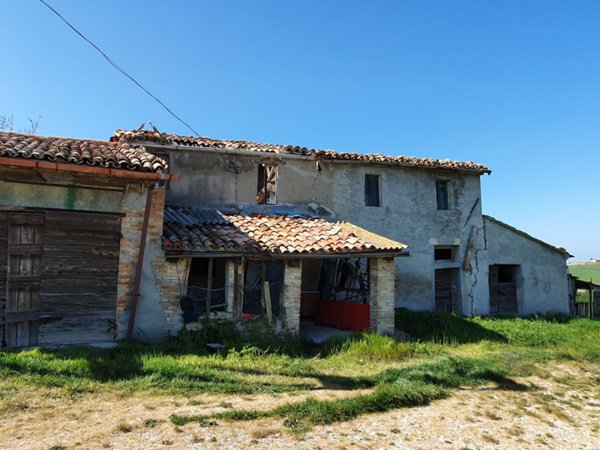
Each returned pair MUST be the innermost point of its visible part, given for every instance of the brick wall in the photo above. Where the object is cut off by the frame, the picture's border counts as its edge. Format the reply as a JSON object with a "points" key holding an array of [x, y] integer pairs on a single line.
{"points": [[383, 289], [133, 207], [170, 282], [292, 284]]}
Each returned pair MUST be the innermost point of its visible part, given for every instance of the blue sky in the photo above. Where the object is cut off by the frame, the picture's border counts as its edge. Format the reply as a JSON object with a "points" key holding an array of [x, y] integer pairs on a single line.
{"points": [[511, 84]]}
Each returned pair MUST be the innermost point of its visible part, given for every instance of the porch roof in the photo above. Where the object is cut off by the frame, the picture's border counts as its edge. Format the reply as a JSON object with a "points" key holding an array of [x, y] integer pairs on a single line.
{"points": [[202, 231]]}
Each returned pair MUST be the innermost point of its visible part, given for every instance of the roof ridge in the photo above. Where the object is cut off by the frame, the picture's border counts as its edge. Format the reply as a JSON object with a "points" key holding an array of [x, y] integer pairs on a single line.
{"points": [[561, 250], [60, 137], [162, 138]]}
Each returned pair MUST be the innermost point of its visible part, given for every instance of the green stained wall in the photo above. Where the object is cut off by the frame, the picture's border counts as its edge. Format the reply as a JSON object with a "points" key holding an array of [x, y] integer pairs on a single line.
{"points": [[59, 197]]}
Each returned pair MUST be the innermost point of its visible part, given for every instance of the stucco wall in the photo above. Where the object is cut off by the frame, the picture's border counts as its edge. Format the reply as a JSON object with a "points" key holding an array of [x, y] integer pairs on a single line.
{"points": [[409, 214], [59, 197], [542, 277], [208, 178]]}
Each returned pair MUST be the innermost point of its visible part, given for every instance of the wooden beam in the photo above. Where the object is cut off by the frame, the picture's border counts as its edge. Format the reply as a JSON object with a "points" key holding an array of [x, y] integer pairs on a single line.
{"points": [[209, 286], [470, 247], [267, 294]]}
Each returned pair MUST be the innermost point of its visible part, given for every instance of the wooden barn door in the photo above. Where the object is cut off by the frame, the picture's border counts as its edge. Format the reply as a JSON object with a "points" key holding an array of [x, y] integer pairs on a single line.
{"points": [[23, 278], [503, 289], [446, 291]]}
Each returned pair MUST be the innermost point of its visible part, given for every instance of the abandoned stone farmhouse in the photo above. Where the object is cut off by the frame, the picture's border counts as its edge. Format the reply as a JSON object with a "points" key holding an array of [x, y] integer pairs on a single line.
{"points": [[147, 233]]}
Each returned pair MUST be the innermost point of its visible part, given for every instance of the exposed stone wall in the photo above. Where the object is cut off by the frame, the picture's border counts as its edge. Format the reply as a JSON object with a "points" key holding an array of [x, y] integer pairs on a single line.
{"points": [[292, 286], [383, 279]]}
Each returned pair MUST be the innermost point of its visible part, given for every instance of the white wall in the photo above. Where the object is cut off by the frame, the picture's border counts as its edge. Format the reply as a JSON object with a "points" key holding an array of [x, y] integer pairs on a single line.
{"points": [[542, 277], [409, 214]]}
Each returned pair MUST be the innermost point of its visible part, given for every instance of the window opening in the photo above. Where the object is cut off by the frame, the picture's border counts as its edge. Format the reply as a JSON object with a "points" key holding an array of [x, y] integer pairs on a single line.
{"points": [[443, 254], [506, 274], [206, 289], [267, 185], [256, 273], [372, 197], [346, 279], [442, 190]]}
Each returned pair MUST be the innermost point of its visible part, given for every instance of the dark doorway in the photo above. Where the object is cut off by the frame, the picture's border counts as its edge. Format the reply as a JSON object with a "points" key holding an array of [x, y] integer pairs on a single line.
{"points": [[446, 291], [503, 289]]}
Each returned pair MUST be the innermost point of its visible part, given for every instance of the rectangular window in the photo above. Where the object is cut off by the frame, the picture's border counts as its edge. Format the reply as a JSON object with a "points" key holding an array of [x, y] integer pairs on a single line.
{"points": [[267, 185], [206, 289], [442, 191], [372, 196], [443, 254], [506, 274], [258, 276]]}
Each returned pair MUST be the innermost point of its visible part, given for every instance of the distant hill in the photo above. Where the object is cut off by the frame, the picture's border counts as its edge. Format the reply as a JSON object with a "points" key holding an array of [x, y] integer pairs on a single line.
{"points": [[586, 271]]}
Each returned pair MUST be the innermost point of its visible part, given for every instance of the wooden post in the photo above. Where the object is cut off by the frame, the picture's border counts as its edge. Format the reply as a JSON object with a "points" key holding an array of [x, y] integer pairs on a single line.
{"points": [[209, 287], [267, 294], [240, 289], [591, 300], [469, 250]]}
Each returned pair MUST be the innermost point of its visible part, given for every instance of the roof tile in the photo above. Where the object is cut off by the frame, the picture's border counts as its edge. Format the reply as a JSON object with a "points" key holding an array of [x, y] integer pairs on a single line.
{"points": [[80, 151], [374, 158], [207, 230]]}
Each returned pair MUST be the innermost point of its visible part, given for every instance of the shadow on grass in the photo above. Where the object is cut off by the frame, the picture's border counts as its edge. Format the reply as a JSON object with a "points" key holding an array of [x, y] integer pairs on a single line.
{"points": [[416, 385], [443, 328]]}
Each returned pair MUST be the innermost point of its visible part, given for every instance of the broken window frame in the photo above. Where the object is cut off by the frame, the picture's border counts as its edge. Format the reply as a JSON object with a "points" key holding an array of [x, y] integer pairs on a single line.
{"points": [[350, 280], [372, 190], [200, 296], [259, 279], [266, 192], [442, 193]]}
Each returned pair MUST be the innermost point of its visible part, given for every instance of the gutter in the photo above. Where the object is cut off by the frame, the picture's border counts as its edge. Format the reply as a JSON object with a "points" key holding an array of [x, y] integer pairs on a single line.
{"points": [[140, 262], [90, 170]]}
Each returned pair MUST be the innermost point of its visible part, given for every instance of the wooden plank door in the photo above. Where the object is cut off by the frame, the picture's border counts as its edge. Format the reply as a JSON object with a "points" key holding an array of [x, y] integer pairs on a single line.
{"points": [[447, 297], [23, 280], [443, 290], [503, 289]]}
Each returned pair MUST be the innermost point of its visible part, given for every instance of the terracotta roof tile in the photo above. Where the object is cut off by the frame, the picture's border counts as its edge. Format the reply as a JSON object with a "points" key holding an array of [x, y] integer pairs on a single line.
{"points": [[206, 230], [205, 142], [80, 151]]}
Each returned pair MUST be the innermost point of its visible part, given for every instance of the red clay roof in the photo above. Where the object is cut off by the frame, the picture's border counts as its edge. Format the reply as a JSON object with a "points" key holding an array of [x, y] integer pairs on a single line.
{"points": [[80, 151], [206, 230], [204, 142]]}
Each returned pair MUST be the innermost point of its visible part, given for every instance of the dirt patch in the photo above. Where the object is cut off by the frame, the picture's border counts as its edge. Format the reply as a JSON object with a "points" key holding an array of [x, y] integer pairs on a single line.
{"points": [[554, 412]]}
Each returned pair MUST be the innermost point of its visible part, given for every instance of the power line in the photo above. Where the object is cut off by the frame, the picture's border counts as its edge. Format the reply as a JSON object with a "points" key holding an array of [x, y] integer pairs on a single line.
{"points": [[116, 66]]}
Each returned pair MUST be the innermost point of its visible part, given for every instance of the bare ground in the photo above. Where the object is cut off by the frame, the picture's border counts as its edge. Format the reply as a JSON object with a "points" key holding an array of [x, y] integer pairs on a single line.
{"points": [[559, 411]]}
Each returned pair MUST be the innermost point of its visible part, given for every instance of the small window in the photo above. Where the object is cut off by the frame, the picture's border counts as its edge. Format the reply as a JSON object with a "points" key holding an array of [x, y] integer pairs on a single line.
{"points": [[267, 185], [443, 254], [506, 274], [442, 188], [372, 197]]}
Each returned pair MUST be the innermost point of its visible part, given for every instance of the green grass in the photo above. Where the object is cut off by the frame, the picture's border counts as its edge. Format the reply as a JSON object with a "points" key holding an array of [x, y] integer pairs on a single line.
{"points": [[396, 388], [586, 271], [447, 352]]}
